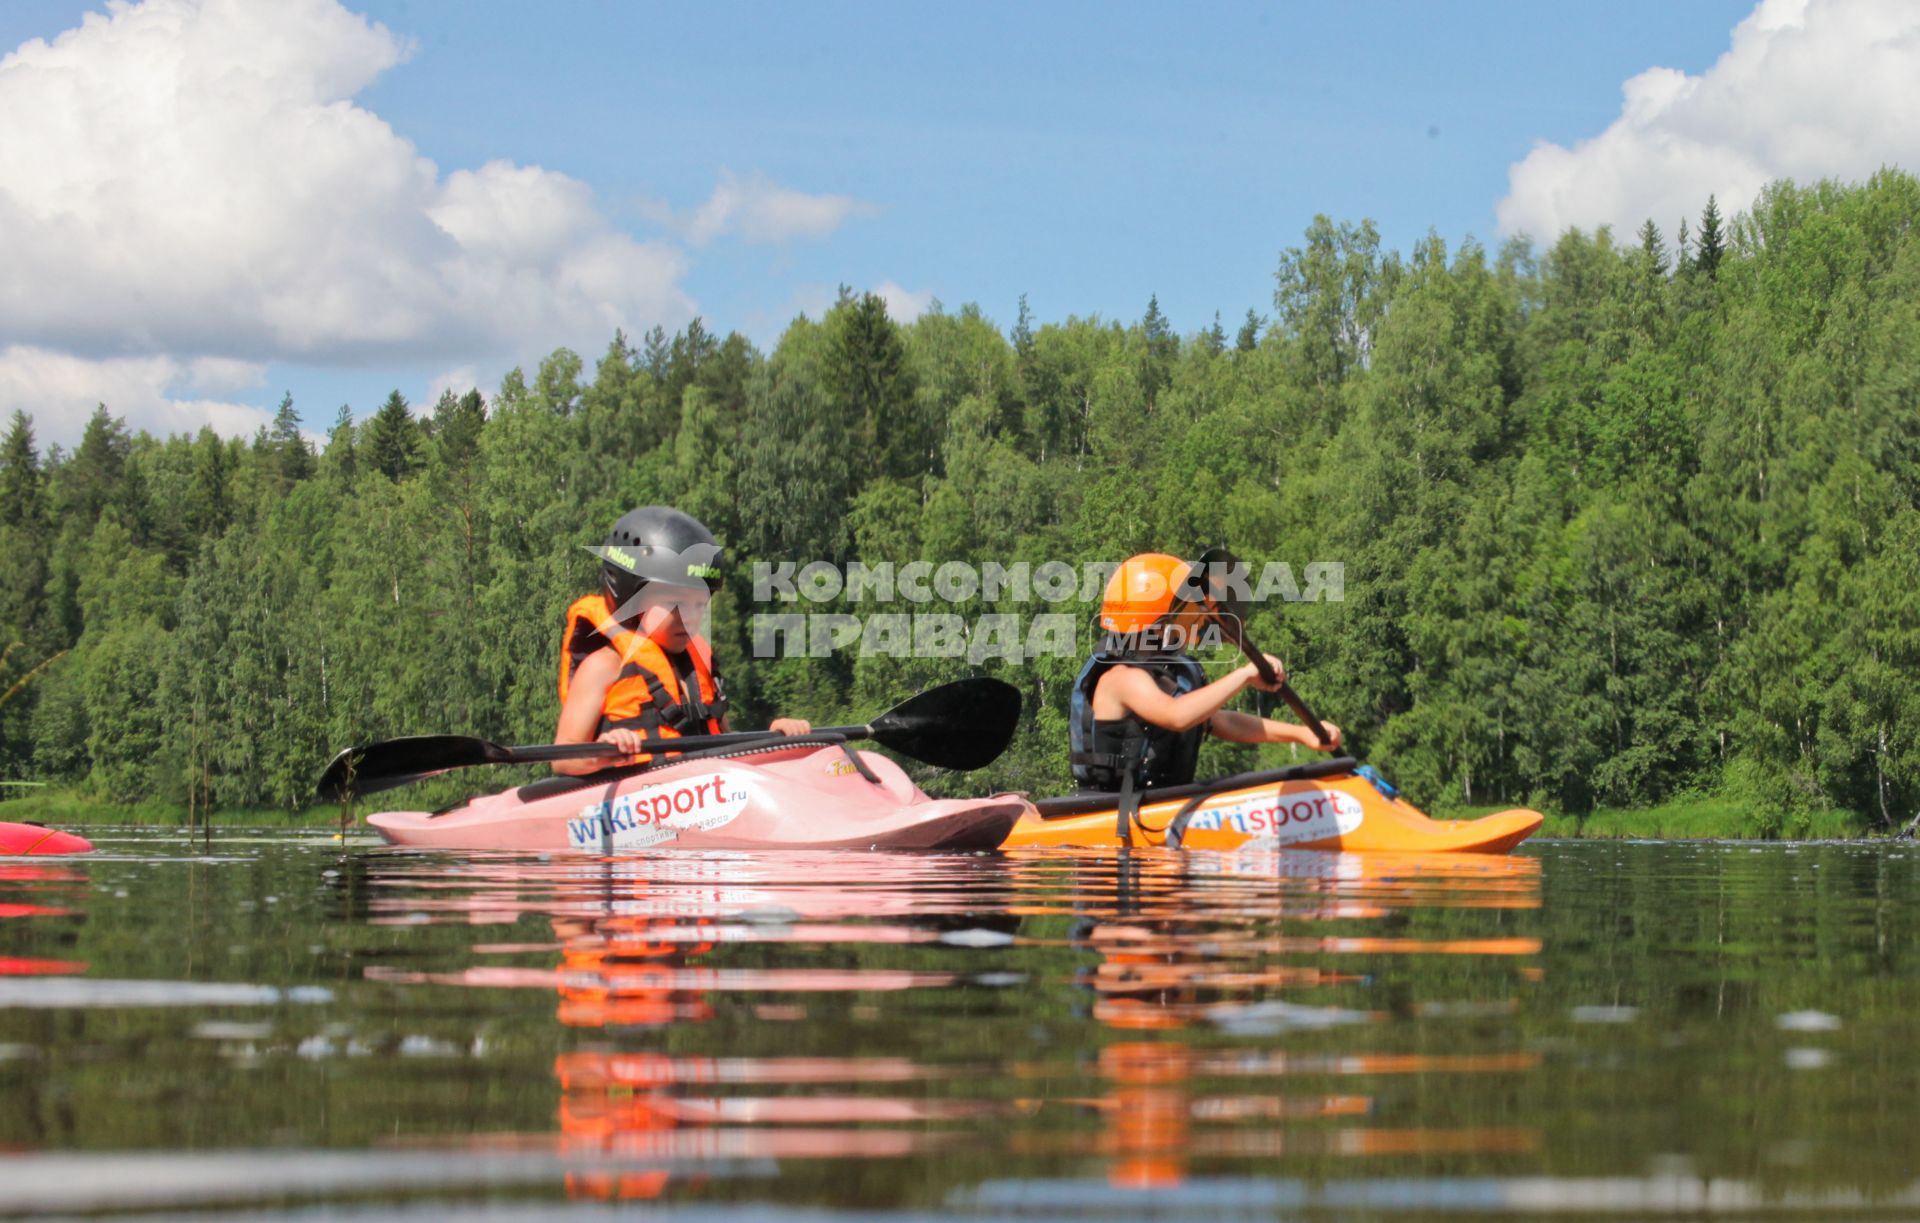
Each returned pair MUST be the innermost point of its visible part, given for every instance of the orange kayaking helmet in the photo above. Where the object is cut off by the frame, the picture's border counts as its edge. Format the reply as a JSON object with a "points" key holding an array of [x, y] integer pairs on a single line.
{"points": [[1145, 589]]}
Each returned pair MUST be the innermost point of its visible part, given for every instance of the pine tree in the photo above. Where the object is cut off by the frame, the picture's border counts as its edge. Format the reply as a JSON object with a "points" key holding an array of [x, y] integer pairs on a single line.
{"points": [[1712, 242], [1023, 329], [1249, 337], [621, 407], [393, 439], [656, 353], [691, 349], [1653, 247], [21, 500], [210, 507], [289, 448], [97, 475], [1215, 337], [457, 421], [866, 373], [1160, 338], [1163, 347], [339, 457], [24, 546]]}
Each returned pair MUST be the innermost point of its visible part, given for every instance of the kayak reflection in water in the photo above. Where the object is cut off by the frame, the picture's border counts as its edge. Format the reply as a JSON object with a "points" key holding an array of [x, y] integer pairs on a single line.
{"points": [[634, 663], [1142, 705], [614, 974], [1306, 1043]]}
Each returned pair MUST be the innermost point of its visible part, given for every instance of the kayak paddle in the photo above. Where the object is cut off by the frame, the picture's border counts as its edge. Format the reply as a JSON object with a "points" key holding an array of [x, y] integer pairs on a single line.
{"points": [[962, 725], [1258, 658], [1231, 614]]}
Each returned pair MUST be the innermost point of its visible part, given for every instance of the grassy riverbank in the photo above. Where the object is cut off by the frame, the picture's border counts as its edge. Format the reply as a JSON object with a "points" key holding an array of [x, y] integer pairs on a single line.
{"points": [[73, 807], [59, 808], [1697, 818]]}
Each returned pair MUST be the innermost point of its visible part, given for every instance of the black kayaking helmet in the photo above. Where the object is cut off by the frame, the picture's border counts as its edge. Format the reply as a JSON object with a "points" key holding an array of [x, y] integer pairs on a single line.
{"points": [[657, 544]]}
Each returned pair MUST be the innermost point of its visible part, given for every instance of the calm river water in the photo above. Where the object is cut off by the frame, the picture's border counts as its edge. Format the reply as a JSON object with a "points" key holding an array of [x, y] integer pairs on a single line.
{"points": [[290, 1025]]}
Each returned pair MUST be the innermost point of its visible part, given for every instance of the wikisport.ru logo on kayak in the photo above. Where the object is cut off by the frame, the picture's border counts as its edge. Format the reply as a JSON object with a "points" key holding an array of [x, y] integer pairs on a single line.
{"points": [[658, 813], [1285, 818], [1009, 635]]}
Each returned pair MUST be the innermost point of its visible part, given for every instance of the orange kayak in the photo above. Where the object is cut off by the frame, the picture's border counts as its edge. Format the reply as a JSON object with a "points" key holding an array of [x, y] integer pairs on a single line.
{"points": [[1325, 804]]}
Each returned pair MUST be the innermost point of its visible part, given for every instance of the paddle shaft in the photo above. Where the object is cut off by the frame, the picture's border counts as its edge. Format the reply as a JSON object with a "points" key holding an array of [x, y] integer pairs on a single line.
{"points": [[1258, 658], [536, 753], [961, 725]]}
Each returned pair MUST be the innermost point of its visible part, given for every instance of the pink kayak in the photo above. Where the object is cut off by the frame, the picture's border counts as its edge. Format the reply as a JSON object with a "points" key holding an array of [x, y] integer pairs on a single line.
{"points": [[803, 797]]}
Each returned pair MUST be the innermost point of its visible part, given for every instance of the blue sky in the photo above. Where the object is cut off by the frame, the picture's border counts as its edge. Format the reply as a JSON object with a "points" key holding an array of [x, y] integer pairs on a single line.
{"points": [[1087, 155]]}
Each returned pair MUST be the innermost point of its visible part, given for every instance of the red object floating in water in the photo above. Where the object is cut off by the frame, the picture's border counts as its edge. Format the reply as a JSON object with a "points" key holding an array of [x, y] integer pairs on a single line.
{"points": [[37, 840], [16, 966]]}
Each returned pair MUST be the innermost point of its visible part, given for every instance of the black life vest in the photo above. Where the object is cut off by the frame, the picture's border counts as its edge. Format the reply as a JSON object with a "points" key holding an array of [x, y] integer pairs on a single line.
{"points": [[1102, 749]]}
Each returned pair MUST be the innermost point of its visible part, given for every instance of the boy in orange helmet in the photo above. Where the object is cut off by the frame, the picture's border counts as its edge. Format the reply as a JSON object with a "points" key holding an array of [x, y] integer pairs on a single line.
{"points": [[1141, 705]]}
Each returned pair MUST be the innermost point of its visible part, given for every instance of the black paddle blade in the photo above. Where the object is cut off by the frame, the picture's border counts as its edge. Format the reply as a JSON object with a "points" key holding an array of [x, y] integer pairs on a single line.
{"points": [[1211, 574], [1214, 575], [372, 767], [962, 725]]}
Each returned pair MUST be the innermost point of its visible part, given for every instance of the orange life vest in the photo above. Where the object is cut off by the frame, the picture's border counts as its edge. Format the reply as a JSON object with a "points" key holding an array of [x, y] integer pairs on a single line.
{"points": [[649, 694]]}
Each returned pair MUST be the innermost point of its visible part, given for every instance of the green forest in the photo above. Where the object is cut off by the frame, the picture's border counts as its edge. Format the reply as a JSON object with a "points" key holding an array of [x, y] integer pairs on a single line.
{"points": [[1623, 520]]}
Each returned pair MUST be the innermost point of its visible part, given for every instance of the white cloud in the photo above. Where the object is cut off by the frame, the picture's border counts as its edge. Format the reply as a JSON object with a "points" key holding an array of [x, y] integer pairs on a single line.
{"points": [[903, 305], [60, 391], [225, 374], [759, 210], [1808, 89], [189, 182]]}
